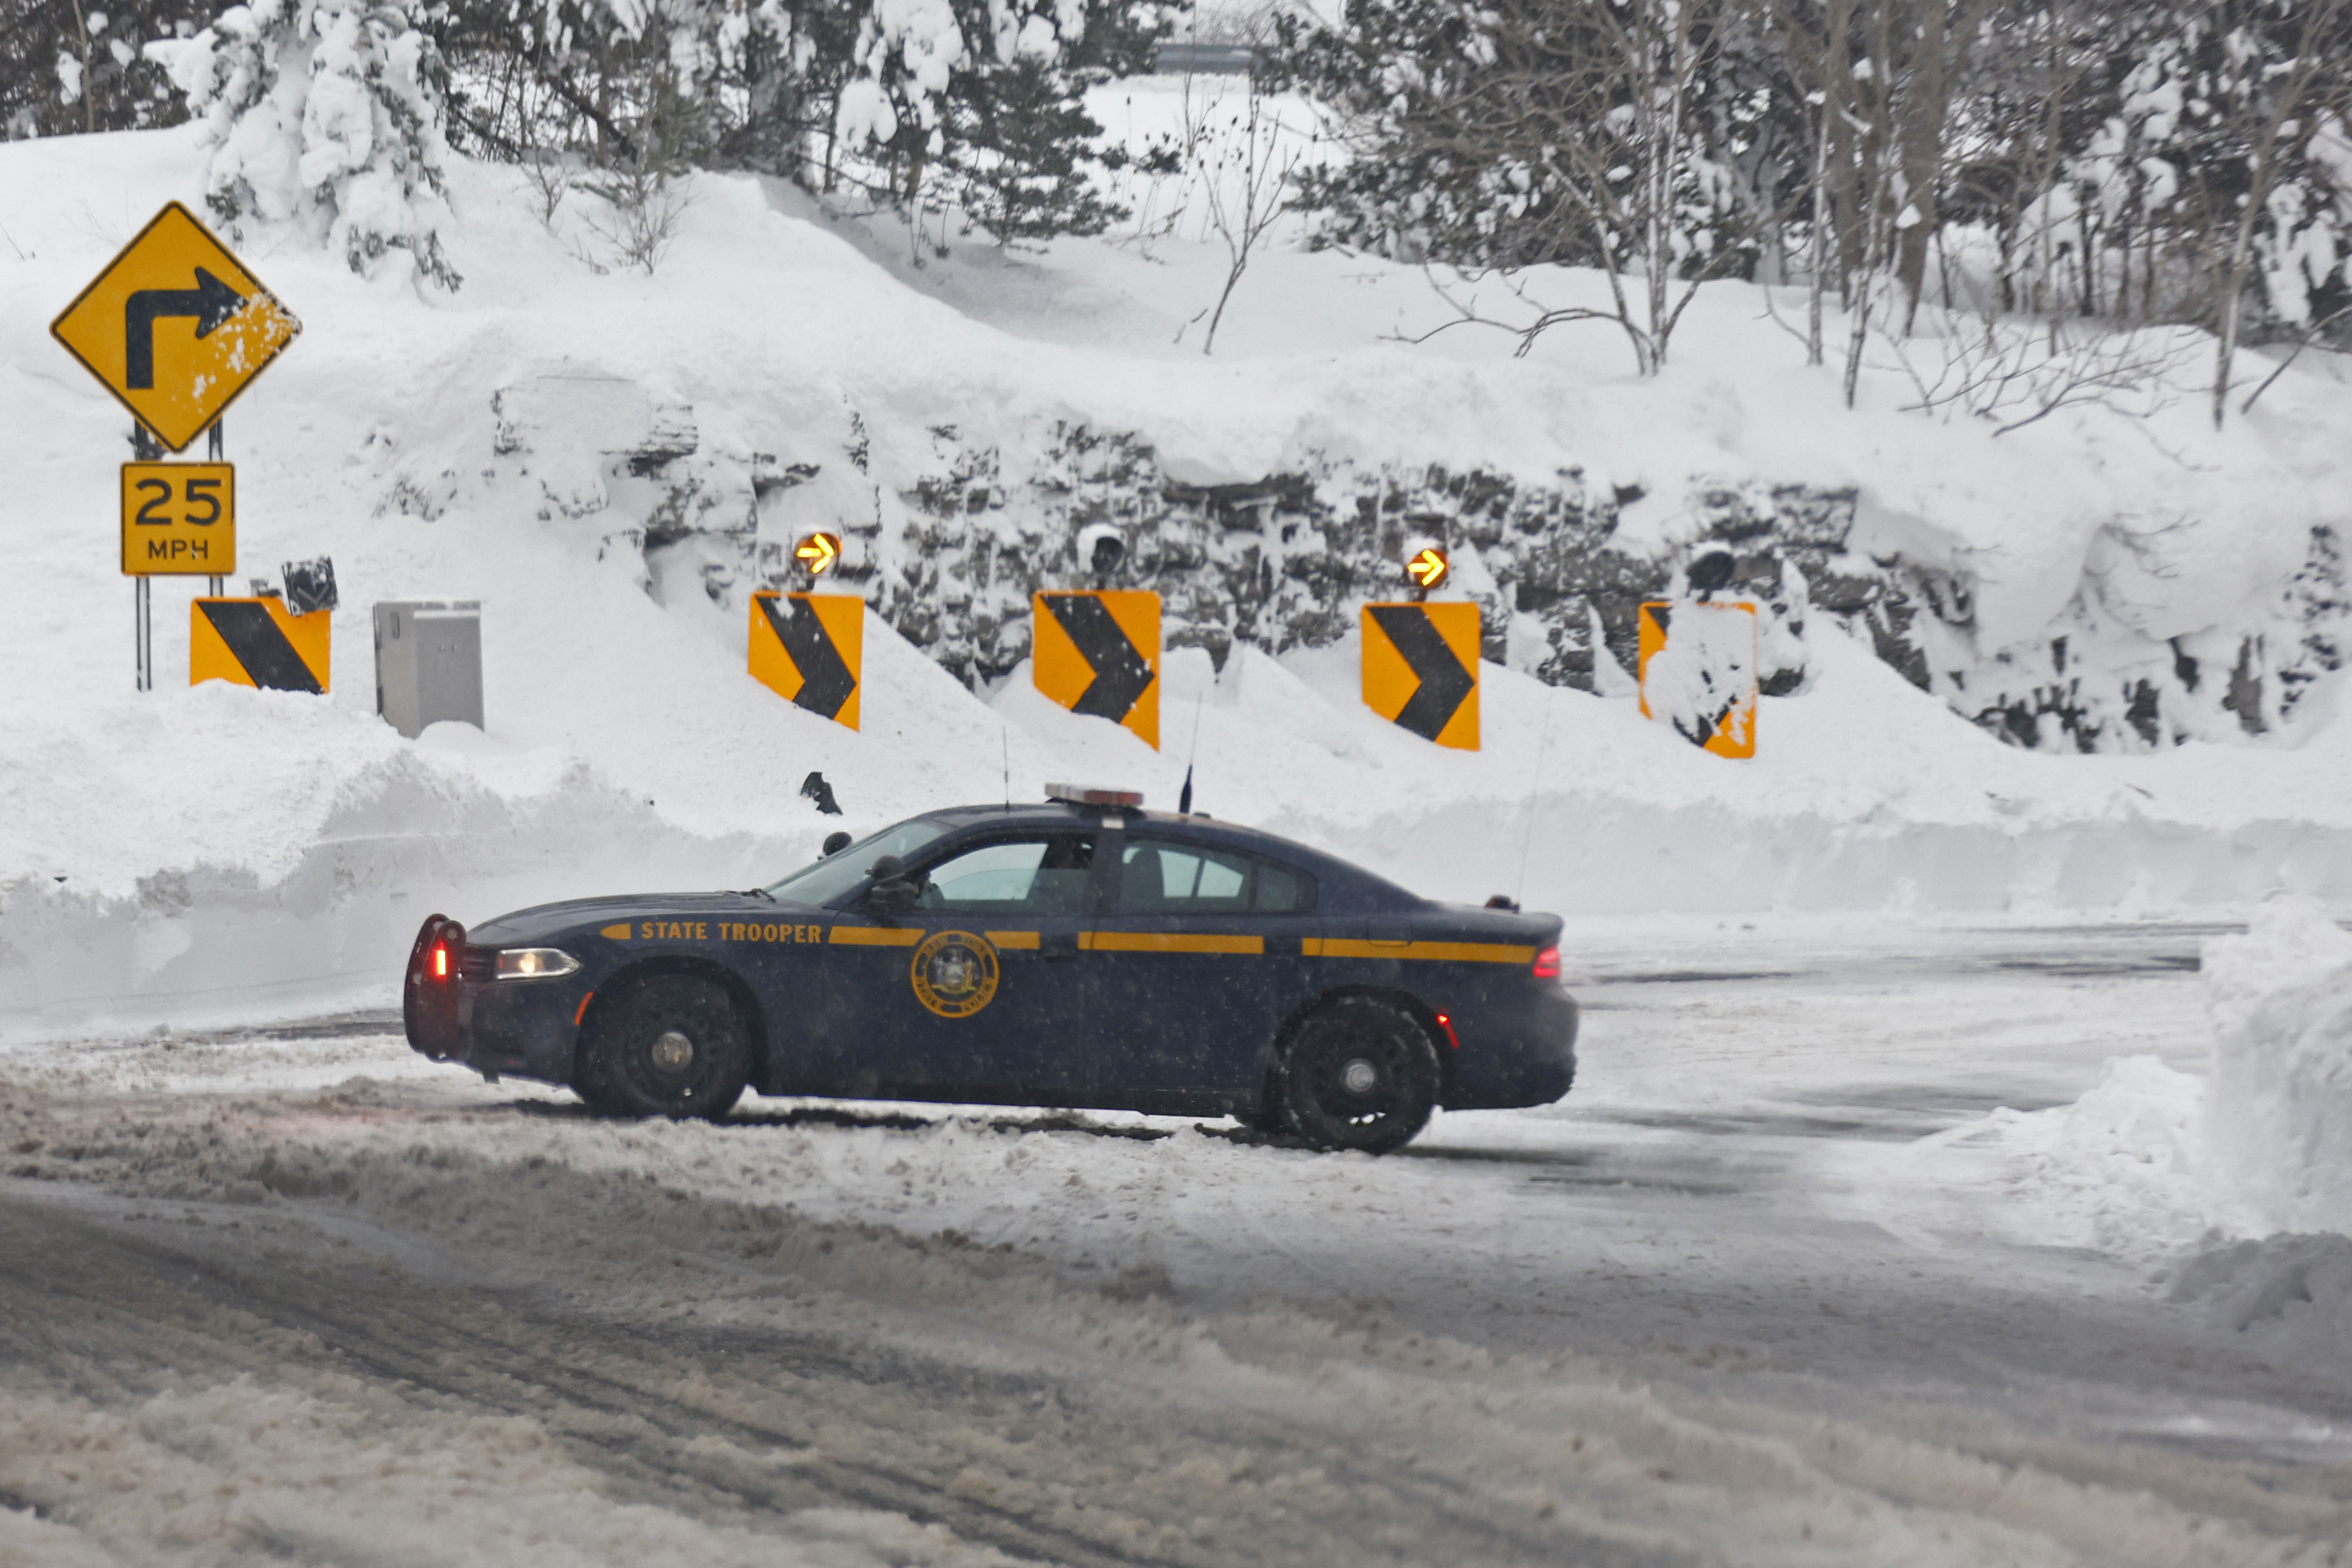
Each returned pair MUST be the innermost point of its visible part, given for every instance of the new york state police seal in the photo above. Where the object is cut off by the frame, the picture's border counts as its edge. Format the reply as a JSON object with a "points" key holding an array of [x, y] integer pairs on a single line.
{"points": [[954, 973]]}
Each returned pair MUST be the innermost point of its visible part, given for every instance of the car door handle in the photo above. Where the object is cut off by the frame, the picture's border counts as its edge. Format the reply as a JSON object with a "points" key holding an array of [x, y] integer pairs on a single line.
{"points": [[1058, 947]]}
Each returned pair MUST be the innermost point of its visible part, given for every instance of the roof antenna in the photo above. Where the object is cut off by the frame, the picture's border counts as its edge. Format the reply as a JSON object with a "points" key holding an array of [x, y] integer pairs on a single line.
{"points": [[1527, 843], [1184, 797], [1005, 751]]}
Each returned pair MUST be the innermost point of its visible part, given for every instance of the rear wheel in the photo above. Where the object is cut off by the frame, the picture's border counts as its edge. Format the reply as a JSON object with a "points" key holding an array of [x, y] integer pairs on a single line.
{"points": [[1361, 1074], [670, 1045]]}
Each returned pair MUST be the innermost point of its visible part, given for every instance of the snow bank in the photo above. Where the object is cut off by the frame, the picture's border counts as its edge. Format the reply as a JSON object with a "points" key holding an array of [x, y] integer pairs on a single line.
{"points": [[2278, 1114], [2236, 1185], [2123, 1170]]}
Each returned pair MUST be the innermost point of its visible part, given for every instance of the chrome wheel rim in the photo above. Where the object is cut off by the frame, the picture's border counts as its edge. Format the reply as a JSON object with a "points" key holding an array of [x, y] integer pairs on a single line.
{"points": [[672, 1052]]}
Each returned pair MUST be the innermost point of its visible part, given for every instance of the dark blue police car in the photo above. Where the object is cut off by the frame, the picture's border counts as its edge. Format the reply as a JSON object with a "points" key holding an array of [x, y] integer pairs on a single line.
{"points": [[1079, 952]]}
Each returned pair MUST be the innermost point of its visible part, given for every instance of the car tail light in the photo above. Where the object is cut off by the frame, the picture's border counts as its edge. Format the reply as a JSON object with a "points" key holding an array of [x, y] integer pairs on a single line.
{"points": [[1445, 1022], [429, 991], [1548, 962]]}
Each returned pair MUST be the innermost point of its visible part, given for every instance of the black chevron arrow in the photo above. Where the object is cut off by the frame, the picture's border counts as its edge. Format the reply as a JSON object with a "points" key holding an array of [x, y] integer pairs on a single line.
{"points": [[211, 302], [1121, 672], [256, 643], [825, 679], [1443, 682]]}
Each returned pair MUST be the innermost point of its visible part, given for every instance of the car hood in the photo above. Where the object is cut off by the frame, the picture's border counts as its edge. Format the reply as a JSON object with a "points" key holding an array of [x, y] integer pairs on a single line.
{"points": [[549, 922]]}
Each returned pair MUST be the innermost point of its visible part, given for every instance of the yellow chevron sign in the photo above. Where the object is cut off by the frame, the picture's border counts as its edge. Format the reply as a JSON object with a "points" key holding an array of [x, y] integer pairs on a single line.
{"points": [[1697, 673], [1099, 653], [808, 648], [1421, 669]]}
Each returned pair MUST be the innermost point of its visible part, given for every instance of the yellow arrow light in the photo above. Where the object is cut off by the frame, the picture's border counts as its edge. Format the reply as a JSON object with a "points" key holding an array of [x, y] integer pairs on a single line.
{"points": [[818, 553], [1427, 568]]}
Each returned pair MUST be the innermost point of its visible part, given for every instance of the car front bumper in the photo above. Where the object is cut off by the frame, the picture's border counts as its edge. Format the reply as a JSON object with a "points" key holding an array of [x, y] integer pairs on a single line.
{"points": [[521, 1029]]}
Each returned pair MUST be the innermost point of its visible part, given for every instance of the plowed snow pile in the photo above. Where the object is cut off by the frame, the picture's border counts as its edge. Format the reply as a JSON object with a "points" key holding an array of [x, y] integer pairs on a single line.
{"points": [[201, 854], [2237, 1182]]}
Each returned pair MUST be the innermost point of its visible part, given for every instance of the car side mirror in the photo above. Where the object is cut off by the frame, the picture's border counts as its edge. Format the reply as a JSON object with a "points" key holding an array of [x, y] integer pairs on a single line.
{"points": [[892, 892], [835, 843]]}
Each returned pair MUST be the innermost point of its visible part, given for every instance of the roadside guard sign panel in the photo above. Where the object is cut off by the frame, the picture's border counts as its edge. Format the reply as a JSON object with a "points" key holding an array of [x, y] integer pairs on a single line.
{"points": [[255, 642], [1099, 653], [1421, 669], [808, 649], [1698, 673], [176, 327]]}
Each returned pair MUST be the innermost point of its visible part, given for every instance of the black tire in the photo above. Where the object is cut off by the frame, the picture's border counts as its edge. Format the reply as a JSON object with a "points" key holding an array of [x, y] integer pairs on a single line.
{"points": [[669, 1044], [1359, 1074]]}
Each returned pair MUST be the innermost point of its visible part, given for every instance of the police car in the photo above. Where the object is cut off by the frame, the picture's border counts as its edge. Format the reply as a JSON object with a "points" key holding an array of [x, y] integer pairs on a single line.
{"points": [[1079, 952]]}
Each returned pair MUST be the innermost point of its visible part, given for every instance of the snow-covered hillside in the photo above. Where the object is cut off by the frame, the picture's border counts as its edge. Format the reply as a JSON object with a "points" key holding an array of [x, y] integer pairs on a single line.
{"points": [[227, 849]]}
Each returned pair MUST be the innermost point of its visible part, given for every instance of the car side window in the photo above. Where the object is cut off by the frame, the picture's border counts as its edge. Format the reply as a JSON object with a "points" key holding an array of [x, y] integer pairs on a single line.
{"points": [[1159, 878], [1041, 874], [1279, 890]]}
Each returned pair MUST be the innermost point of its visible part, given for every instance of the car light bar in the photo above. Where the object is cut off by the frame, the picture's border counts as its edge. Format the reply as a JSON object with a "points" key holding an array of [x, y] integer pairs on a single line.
{"points": [[1093, 794]]}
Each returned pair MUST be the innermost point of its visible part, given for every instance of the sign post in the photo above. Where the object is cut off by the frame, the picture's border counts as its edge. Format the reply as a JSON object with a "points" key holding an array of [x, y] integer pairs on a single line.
{"points": [[175, 328], [213, 443], [142, 634]]}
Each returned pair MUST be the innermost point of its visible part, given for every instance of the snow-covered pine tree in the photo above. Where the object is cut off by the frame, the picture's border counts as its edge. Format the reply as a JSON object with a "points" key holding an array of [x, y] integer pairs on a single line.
{"points": [[1523, 133], [988, 94], [1019, 164], [325, 114], [1025, 150]]}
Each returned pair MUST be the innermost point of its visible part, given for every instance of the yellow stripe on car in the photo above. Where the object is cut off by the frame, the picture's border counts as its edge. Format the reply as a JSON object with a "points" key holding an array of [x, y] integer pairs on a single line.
{"points": [[875, 936], [1436, 952], [1168, 942]]}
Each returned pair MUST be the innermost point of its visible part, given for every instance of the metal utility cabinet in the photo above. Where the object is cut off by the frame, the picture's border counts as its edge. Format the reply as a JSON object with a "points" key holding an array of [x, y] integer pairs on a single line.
{"points": [[428, 663]]}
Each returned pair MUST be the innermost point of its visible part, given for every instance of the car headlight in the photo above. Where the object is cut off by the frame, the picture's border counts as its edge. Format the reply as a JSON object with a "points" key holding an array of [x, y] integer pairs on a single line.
{"points": [[534, 962]]}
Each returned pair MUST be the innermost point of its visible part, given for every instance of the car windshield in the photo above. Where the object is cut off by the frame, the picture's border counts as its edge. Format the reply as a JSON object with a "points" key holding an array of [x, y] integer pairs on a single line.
{"points": [[836, 874]]}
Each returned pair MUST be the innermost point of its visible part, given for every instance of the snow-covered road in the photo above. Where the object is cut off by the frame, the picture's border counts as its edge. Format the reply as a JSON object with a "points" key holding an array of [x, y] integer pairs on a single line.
{"points": [[1769, 1287]]}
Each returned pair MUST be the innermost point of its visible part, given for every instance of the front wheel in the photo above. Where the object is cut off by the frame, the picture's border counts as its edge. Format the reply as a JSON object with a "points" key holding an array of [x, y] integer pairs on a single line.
{"points": [[1361, 1075], [672, 1045]]}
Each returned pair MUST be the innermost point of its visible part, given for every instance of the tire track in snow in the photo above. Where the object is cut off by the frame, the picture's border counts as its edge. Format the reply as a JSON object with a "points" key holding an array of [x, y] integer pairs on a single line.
{"points": [[129, 1298]]}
